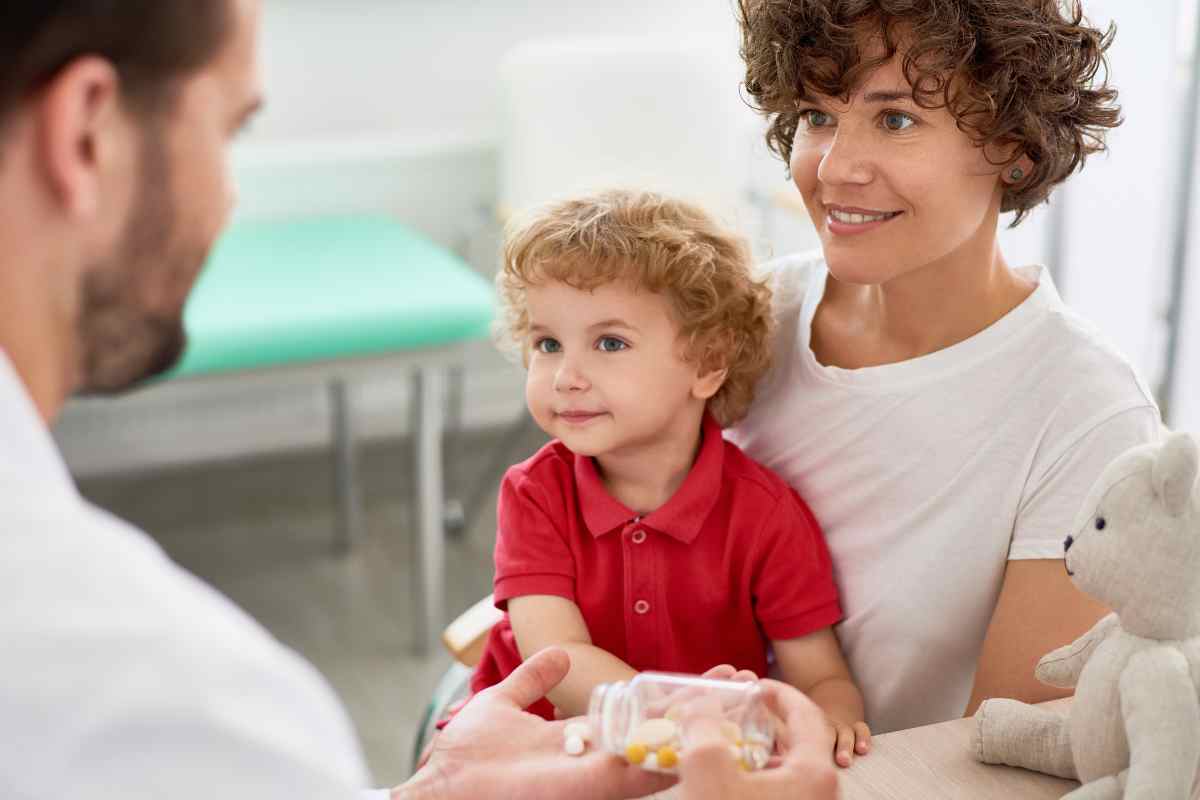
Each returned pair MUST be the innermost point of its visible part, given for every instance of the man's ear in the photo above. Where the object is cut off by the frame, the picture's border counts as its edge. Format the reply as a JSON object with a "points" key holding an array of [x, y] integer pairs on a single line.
{"points": [[709, 383], [78, 116]]}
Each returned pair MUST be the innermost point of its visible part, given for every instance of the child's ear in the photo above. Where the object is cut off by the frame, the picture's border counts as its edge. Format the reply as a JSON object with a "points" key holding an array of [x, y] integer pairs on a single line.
{"points": [[709, 383]]}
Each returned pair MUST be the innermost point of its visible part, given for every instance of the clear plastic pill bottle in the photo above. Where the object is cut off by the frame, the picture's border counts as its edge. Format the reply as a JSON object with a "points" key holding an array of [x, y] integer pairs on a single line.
{"points": [[645, 719]]}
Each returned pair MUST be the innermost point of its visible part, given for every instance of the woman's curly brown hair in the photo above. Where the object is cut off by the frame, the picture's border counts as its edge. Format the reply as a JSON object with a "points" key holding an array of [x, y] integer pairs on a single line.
{"points": [[656, 244], [1011, 72]]}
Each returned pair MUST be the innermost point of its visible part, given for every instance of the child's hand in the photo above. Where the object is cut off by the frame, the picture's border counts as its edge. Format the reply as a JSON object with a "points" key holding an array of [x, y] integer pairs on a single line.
{"points": [[728, 672], [849, 739]]}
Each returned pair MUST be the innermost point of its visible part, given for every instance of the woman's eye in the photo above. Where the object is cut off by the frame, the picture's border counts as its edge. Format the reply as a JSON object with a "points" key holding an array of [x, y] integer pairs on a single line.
{"points": [[814, 118], [1101, 523], [547, 345], [897, 121], [610, 344]]}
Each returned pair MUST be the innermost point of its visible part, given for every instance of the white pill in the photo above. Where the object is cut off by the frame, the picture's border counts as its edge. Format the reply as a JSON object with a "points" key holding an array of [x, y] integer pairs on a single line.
{"points": [[574, 746], [579, 729], [656, 732], [651, 762]]}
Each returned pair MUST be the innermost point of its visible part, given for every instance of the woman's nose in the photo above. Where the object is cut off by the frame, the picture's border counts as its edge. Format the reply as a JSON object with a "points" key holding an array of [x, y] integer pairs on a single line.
{"points": [[845, 160]]}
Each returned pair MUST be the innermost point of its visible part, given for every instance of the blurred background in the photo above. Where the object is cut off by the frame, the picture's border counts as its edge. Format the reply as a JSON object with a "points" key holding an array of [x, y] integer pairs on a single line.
{"points": [[448, 116]]}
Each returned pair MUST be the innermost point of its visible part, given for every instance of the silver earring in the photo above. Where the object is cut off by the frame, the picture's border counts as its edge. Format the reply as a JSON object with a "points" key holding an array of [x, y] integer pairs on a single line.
{"points": [[1016, 174]]}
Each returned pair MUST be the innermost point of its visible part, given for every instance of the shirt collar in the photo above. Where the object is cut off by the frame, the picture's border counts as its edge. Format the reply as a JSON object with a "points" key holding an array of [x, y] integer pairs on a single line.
{"points": [[27, 450], [682, 516]]}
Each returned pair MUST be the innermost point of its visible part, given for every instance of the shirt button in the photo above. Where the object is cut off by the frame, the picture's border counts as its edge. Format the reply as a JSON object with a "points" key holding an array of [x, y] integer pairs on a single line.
{"points": [[641, 606], [639, 536]]}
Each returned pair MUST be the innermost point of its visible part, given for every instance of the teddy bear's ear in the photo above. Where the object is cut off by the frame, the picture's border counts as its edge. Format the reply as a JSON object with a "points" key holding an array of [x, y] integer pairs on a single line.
{"points": [[1174, 471]]}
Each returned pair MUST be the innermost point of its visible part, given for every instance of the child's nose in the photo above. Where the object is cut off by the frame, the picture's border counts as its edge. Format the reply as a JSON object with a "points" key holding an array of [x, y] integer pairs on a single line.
{"points": [[569, 378]]}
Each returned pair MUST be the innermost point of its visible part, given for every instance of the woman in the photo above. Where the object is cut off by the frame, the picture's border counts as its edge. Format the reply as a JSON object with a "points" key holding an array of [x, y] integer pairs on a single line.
{"points": [[942, 411]]}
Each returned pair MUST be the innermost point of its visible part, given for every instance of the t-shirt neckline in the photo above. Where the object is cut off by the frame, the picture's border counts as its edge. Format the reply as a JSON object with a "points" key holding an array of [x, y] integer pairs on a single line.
{"points": [[971, 351]]}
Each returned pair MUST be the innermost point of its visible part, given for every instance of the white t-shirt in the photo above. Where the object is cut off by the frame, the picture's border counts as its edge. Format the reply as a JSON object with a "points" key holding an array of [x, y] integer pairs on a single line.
{"points": [[929, 474], [123, 676]]}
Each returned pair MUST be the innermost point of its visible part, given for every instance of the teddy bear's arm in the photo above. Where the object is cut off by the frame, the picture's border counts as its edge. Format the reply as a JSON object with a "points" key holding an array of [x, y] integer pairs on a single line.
{"points": [[1062, 667], [1162, 723]]}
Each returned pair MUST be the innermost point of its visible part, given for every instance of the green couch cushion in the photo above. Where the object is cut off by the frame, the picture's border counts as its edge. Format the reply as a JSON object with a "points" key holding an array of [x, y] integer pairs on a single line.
{"points": [[303, 290]]}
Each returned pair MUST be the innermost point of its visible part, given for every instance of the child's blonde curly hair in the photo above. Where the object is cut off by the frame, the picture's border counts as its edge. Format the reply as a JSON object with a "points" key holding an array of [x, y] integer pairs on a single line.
{"points": [[656, 244]]}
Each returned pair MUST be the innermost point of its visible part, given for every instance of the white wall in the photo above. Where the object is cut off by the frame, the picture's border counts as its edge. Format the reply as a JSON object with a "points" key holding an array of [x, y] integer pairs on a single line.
{"points": [[428, 70], [1118, 210], [1185, 398]]}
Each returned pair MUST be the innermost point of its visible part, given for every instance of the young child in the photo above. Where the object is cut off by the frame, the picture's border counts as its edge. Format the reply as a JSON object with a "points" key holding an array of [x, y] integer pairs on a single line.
{"points": [[639, 539]]}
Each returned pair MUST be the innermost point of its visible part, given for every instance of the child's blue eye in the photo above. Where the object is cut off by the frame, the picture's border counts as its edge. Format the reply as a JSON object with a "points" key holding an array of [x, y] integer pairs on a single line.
{"points": [[547, 345], [610, 344]]}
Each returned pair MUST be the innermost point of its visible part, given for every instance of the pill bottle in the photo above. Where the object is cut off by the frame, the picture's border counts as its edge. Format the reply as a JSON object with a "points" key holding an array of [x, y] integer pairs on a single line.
{"points": [[645, 719]]}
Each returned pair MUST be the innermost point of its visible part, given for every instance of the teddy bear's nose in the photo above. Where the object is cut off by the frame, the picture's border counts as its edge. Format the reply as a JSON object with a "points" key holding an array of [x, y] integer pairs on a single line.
{"points": [[1067, 544]]}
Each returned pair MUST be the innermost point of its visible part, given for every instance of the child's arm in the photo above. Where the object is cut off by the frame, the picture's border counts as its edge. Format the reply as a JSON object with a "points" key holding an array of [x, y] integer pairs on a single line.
{"points": [[539, 621], [814, 664]]}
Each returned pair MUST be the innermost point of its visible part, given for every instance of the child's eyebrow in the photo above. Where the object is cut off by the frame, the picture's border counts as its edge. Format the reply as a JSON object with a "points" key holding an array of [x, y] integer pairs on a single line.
{"points": [[613, 323]]}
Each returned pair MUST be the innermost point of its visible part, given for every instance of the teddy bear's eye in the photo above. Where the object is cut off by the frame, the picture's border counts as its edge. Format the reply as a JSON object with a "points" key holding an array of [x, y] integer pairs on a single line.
{"points": [[1101, 523]]}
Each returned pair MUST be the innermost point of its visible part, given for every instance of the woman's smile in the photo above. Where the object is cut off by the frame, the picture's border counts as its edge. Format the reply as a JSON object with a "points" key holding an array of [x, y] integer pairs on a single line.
{"points": [[850, 220]]}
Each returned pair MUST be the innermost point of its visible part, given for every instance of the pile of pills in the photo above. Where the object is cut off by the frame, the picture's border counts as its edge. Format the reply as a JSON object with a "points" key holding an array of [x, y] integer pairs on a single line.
{"points": [[654, 744]]}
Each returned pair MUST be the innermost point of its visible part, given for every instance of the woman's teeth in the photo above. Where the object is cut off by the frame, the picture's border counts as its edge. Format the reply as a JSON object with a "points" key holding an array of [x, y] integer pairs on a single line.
{"points": [[860, 219]]}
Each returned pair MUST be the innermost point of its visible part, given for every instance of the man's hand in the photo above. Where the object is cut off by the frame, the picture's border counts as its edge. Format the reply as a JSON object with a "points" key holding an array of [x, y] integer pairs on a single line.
{"points": [[709, 772], [493, 749]]}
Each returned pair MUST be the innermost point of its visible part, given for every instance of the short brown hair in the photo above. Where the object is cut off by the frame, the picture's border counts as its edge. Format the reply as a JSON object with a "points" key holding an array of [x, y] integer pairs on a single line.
{"points": [[1012, 72], [151, 43], [660, 245]]}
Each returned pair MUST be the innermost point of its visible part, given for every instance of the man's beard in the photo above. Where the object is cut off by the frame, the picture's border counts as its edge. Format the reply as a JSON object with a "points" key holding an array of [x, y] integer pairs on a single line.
{"points": [[121, 341]]}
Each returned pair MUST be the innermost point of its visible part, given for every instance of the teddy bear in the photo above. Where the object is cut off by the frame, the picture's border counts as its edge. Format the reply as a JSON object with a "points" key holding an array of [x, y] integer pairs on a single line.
{"points": [[1133, 729]]}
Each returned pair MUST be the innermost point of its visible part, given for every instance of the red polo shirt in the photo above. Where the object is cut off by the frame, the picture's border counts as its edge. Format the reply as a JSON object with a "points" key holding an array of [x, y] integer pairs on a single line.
{"points": [[734, 559]]}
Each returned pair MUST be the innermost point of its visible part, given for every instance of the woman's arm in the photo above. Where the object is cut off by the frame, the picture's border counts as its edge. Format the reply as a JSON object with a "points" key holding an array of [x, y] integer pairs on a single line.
{"points": [[1039, 610], [540, 621]]}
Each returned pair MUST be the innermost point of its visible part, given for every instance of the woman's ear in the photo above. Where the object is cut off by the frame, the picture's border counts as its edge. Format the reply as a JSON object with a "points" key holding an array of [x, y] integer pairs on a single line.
{"points": [[1016, 173], [709, 383]]}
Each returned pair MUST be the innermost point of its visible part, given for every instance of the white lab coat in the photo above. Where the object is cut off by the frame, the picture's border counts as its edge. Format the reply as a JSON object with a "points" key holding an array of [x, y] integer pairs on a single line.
{"points": [[122, 675]]}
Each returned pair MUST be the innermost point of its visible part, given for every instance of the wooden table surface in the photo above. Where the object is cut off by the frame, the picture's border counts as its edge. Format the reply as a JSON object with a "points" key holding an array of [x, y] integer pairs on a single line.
{"points": [[935, 763]]}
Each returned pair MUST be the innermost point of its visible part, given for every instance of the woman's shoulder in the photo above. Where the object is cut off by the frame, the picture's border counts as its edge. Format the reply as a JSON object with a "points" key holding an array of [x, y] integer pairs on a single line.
{"points": [[1081, 384], [1085, 362]]}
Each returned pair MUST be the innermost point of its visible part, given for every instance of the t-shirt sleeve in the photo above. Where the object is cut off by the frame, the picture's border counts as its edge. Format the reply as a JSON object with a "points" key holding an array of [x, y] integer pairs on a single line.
{"points": [[532, 553], [793, 586], [1049, 507]]}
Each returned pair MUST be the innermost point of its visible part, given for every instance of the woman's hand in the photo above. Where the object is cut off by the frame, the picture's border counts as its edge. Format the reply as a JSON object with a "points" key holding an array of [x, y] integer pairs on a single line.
{"points": [[494, 749]]}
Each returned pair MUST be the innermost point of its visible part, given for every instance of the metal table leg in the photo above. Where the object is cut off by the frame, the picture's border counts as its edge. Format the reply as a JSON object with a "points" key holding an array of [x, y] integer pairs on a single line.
{"points": [[429, 385], [349, 525]]}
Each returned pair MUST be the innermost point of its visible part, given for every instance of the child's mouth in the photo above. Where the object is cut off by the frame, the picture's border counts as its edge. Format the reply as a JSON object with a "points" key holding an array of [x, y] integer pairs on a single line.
{"points": [[579, 417]]}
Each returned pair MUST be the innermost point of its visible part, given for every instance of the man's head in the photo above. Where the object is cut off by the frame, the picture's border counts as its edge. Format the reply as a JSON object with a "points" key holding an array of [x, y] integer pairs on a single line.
{"points": [[115, 118], [696, 324]]}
